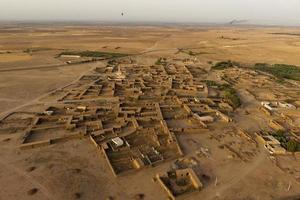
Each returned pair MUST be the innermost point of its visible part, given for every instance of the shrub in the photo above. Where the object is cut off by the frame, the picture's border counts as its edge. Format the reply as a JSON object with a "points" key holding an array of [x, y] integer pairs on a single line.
{"points": [[292, 145], [232, 97], [223, 65], [280, 71], [280, 135], [161, 61], [230, 93], [211, 83]]}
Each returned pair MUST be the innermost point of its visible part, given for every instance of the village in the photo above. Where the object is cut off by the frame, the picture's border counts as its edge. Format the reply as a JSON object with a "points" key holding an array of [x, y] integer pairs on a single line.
{"points": [[135, 115]]}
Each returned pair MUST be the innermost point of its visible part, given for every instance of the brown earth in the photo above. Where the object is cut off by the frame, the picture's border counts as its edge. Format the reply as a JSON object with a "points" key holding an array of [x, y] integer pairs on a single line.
{"points": [[73, 170]]}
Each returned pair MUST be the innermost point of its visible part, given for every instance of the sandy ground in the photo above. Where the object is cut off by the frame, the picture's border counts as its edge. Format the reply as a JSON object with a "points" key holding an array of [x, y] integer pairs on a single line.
{"points": [[74, 170]]}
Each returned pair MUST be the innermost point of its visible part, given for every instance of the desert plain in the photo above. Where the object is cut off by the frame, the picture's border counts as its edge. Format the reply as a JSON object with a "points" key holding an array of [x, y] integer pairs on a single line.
{"points": [[153, 84]]}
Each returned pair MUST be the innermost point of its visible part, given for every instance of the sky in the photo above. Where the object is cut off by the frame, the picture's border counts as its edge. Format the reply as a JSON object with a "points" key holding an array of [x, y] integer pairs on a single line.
{"points": [[272, 12]]}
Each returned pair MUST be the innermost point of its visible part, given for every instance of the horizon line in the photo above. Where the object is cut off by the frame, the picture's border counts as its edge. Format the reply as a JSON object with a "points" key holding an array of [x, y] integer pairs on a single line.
{"points": [[137, 23]]}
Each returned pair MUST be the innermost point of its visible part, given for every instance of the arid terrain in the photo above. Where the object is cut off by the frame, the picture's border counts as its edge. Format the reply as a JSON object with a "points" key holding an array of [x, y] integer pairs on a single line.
{"points": [[119, 112]]}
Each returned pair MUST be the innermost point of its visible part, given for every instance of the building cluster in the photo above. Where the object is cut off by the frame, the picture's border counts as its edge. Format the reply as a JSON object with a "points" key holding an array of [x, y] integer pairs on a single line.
{"points": [[278, 103], [132, 114], [284, 126]]}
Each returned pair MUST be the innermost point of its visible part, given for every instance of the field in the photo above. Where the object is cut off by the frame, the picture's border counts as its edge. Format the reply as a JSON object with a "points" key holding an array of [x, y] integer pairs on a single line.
{"points": [[50, 65]]}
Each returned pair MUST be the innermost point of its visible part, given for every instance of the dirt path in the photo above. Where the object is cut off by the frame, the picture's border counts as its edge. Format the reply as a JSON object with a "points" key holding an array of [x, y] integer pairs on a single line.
{"points": [[11, 69], [154, 46], [8, 100], [246, 170], [36, 100]]}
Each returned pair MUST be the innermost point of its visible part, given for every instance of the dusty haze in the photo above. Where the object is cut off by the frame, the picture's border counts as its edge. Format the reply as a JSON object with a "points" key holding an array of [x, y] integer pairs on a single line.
{"points": [[277, 12]]}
